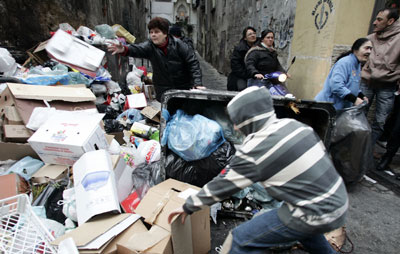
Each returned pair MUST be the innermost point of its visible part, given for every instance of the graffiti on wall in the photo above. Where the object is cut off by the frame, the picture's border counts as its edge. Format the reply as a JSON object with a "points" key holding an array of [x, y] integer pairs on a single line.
{"points": [[321, 13]]}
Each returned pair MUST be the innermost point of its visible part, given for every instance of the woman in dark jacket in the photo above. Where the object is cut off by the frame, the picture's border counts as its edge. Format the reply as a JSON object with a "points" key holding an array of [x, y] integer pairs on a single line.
{"points": [[237, 79], [262, 59], [175, 65]]}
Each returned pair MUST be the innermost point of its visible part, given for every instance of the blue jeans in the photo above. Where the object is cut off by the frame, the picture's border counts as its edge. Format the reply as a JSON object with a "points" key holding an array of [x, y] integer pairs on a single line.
{"points": [[267, 230], [384, 99]]}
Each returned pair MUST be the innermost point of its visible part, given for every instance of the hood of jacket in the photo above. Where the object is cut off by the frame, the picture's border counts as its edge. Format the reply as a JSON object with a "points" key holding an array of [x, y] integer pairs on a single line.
{"points": [[389, 31], [252, 109]]}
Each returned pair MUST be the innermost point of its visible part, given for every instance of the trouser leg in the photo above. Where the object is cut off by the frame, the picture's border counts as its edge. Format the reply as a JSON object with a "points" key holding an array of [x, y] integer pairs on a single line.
{"points": [[383, 107], [266, 230]]}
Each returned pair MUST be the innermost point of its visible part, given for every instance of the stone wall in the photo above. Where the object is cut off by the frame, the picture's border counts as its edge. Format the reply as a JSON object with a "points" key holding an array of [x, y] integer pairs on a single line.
{"points": [[24, 23], [221, 22]]}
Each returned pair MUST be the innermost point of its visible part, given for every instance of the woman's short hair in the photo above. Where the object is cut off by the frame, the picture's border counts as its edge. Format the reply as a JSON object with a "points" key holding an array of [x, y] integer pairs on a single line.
{"points": [[265, 32], [160, 23], [244, 33]]}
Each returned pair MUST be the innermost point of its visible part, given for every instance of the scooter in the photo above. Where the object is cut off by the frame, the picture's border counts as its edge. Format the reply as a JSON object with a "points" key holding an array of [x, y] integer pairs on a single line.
{"points": [[275, 82]]}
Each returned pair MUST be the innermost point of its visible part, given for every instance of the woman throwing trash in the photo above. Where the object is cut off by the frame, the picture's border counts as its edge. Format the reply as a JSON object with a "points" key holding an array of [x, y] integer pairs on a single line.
{"points": [[175, 65]]}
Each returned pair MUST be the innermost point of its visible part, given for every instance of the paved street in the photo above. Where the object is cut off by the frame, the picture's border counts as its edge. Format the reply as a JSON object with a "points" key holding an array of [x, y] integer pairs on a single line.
{"points": [[374, 214]]}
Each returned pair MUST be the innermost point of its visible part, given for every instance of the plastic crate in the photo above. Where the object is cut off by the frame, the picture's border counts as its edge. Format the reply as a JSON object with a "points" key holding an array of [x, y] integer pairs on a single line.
{"points": [[21, 231]]}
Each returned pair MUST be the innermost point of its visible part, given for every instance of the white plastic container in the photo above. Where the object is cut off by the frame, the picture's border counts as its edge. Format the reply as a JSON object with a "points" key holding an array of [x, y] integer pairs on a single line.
{"points": [[21, 230]]}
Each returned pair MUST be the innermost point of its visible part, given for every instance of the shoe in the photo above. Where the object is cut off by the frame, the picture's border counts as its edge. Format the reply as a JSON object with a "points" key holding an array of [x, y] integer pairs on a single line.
{"points": [[384, 163]]}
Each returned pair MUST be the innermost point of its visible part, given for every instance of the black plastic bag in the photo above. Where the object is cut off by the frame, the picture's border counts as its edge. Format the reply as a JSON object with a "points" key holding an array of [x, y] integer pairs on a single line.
{"points": [[201, 171], [49, 198], [112, 125], [351, 147], [146, 176]]}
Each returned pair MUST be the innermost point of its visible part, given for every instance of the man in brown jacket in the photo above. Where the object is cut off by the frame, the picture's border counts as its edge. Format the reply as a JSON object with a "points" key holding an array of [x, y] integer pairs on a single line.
{"points": [[381, 74]]}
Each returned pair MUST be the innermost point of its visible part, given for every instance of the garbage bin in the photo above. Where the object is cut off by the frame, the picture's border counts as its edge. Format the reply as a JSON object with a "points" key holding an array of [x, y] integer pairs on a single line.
{"points": [[319, 115]]}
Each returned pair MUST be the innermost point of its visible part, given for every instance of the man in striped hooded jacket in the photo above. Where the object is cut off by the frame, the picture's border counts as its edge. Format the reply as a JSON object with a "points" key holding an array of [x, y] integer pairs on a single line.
{"points": [[291, 162]]}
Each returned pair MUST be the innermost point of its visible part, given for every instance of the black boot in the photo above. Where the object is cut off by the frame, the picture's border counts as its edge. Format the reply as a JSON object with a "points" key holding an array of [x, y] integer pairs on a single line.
{"points": [[384, 163]]}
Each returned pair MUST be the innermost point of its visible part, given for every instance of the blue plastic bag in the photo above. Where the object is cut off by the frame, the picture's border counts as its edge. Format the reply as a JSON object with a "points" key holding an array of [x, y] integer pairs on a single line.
{"points": [[192, 137], [26, 167]]}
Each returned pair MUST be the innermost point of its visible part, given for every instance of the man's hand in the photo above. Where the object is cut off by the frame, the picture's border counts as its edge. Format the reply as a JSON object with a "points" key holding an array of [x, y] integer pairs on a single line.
{"points": [[116, 48], [366, 99], [177, 212], [258, 76]]}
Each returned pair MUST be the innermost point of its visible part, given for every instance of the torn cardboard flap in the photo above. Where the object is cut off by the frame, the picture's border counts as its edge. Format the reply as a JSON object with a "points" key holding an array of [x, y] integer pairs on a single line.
{"points": [[51, 93], [127, 244], [12, 116], [93, 229], [49, 172], [143, 241]]}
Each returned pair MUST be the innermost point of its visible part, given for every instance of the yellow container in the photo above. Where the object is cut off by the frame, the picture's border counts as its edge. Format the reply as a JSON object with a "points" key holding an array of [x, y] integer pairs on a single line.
{"points": [[122, 32]]}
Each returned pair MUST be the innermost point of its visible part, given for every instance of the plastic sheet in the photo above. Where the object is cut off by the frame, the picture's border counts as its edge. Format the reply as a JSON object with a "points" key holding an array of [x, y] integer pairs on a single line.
{"points": [[351, 147], [192, 137], [202, 171]]}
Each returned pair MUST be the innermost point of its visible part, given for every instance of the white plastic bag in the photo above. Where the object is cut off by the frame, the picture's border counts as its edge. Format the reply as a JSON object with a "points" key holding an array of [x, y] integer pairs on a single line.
{"points": [[39, 116], [149, 151], [7, 63]]}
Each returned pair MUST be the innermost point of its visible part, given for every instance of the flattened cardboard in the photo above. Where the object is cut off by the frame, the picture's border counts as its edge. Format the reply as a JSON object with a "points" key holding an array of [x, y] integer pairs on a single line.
{"points": [[151, 113], [92, 229], [49, 172]]}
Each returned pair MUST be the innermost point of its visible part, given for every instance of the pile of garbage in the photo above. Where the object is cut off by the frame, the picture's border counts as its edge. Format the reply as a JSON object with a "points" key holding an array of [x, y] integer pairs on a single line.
{"points": [[84, 153]]}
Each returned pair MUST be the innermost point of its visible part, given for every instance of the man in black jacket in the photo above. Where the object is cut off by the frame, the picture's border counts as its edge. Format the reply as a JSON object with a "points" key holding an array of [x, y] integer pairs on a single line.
{"points": [[175, 65]]}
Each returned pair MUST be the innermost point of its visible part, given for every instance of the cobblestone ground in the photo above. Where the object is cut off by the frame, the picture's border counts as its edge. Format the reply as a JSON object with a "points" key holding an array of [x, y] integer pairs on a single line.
{"points": [[374, 211]]}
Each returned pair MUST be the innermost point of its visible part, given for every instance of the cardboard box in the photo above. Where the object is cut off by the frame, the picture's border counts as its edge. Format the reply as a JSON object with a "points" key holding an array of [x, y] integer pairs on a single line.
{"points": [[16, 133], [26, 97], [95, 186], [101, 234], [66, 136], [158, 203], [11, 185], [74, 52]]}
